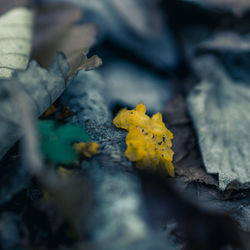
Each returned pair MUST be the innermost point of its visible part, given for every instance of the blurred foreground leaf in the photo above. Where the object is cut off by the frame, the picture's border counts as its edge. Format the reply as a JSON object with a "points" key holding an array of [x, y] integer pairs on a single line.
{"points": [[135, 26], [40, 87], [56, 31], [57, 141]]}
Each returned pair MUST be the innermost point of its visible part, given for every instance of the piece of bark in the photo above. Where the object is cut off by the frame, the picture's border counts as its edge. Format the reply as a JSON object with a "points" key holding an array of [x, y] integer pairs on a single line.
{"points": [[118, 204]]}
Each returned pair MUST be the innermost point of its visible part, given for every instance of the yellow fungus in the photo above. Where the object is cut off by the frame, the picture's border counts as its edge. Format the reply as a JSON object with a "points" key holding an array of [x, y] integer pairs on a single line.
{"points": [[148, 140], [87, 149], [63, 172]]}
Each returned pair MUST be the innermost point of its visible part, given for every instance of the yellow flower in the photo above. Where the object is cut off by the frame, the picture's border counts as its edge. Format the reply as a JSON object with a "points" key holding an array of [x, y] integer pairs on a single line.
{"points": [[148, 140]]}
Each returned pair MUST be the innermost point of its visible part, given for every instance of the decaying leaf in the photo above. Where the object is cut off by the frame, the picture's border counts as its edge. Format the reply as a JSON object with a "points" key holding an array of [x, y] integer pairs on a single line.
{"points": [[56, 31], [15, 40], [71, 194], [41, 88], [187, 158], [238, 7], [136, 26], [52, 21], [220, 110]]}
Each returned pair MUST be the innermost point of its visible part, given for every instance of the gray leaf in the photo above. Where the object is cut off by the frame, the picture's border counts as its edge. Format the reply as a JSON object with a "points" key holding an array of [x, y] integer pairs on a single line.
{"points": [[220, 110], [135, 25], [41, 88]]}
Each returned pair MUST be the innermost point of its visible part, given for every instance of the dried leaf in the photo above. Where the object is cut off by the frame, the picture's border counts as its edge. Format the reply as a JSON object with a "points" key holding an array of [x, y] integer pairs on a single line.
{"points": [[220, 110], [136, 26], [56, 30], [53, 20], [70, 194], [15, 40], [41, 88], [187, 158], [81, 62]]}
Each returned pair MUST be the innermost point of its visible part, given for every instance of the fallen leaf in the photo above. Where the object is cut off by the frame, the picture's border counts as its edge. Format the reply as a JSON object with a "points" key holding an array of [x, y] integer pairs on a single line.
{"points": [[187, 158], [71, 194], [220, 110], [56, 31], [41, 88], [138, 27], [61, 15], [15, 40]]}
